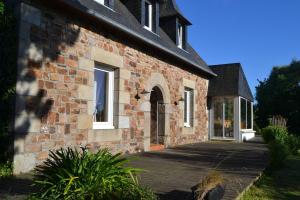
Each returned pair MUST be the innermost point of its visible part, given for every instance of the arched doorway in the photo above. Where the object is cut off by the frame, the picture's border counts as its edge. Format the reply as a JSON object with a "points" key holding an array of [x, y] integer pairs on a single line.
{"points": [[157, 134]]}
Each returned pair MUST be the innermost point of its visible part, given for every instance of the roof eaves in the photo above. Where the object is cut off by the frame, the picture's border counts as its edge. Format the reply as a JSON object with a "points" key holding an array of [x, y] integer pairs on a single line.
{"points": [[136, 35]]}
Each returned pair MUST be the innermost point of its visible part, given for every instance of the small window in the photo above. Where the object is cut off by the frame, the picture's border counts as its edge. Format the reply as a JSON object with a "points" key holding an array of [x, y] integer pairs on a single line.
{"points": [[180, 35], [249, 115], [148, 15], [103, 98], [188, 107], [246, 114], [103, 2]]}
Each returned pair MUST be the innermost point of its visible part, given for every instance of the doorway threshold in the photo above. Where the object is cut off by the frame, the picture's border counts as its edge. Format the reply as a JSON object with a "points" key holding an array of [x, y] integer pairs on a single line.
{"points": [[157, 147], [222, 139]]}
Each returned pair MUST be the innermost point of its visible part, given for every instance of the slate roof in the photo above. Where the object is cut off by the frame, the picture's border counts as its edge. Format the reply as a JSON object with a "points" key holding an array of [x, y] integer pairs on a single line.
{"points": [[122, 19], [231, 81], [170, 8]]}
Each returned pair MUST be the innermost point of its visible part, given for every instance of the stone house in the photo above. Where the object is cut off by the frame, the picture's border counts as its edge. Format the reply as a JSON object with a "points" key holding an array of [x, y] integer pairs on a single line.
{"points": [[116, 74]]}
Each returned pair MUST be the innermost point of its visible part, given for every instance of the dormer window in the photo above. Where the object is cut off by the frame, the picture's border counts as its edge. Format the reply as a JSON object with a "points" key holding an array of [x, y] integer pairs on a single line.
{"points": [[148, 15], [180, 35], [107, 3]]}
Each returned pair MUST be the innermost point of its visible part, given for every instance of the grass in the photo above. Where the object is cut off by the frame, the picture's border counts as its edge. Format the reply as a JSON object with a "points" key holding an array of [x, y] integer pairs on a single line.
{"points": [[281, 184]]}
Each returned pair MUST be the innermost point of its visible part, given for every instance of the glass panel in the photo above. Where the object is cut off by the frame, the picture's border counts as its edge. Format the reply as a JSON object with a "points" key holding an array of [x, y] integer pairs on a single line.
{"points": [[147, 14], [191, 108], [101, 96], [243, 113], [249, 115], [179, 35], [218, 119], [106, 2], [229, 119], [185, 106]]}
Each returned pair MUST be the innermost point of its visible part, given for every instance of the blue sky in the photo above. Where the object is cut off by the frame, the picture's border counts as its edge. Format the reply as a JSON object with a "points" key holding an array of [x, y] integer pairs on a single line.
{"points": [[258, 33]]}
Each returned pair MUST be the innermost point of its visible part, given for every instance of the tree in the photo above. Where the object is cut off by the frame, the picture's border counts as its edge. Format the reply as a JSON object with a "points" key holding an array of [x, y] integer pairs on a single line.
{"points": [[8, 52], [279, 94]]}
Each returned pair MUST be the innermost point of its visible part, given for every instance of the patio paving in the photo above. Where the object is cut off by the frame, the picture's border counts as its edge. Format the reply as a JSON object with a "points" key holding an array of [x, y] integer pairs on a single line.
{"points": [[171, 173]]}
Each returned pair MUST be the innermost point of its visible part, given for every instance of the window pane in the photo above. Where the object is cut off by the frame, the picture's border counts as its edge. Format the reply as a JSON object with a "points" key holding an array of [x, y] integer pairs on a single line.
{"points": [[218, 118], [101, 96], [249, 115], [191, 107], [185, 106], [243, 113], [106, 2], [147, 14], [228, 123], [179, 35]]}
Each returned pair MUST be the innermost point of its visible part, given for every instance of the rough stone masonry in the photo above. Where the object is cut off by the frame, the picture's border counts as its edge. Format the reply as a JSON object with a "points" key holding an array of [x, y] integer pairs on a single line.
{"points": [[54, 108]]}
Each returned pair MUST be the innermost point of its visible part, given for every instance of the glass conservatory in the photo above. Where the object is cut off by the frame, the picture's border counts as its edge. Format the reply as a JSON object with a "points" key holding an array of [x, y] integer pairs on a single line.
{"points": [[230, 105]]}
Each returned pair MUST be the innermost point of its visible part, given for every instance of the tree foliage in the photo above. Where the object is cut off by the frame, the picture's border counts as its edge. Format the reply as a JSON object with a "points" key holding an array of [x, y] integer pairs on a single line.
{"points": [[279, 94], [8, 54]]}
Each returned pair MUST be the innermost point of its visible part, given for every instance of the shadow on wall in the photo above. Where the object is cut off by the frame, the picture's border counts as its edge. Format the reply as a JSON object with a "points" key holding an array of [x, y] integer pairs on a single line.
{"points": [[44, 37]]}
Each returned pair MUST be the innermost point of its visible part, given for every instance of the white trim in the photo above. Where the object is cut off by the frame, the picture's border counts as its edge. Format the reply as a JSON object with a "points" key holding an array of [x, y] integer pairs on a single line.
{"points": [[103, 4], [246, 129], [150, 16], [188, 108], [110, 101], [180, 35]]}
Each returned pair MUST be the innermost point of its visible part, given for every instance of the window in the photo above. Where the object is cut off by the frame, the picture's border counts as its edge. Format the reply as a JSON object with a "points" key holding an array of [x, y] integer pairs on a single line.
{"points": [[223, 117], [246, 114], [103, 98], [180, 35], [188, 107], [103, 2], [148, 15], [249, 115]]}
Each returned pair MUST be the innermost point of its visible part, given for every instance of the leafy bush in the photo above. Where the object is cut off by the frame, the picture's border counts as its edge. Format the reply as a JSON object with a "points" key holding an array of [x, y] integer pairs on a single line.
{"points": [[70, 174], [294, 143], [5, 169], [279, 152], [278, 133]]}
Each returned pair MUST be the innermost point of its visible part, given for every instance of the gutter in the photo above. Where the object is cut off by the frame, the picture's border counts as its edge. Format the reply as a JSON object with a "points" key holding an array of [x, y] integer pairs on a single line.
{"points": [[132, 33]]}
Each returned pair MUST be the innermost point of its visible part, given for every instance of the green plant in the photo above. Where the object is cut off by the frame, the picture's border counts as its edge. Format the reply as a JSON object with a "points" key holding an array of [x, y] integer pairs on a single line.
{"points": [[279, 153], [278, 133], [5, 170], [70, 174], [294, 143], [212, 180]]}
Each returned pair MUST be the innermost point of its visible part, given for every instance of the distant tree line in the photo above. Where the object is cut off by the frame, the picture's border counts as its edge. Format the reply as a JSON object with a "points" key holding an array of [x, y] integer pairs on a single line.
{"points": [[279, 95]]}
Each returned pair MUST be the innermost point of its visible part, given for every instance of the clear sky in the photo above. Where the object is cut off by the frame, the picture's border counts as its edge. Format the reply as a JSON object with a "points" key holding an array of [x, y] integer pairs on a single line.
{"points": [[259, 34]]}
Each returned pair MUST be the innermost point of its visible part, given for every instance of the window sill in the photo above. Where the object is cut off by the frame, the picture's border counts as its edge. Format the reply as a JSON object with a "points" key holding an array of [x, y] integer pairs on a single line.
{"points": [[187, 126], [150, 30], [183, 49], [97, 126], [109, 8]]}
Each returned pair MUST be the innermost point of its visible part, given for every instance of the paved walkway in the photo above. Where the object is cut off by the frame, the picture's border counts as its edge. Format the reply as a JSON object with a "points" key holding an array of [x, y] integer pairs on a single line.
{"points": [[172, 172]]}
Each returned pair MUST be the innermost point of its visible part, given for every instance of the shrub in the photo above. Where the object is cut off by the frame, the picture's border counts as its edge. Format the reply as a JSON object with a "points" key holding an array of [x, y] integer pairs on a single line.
{"points": [[279, 152], [294, 143], [211, 181], [70, 174], [271, 133], [6, 169]]}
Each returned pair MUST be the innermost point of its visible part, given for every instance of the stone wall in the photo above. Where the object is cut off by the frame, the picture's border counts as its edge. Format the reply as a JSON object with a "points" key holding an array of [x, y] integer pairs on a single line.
{"points": [[57, 55]]}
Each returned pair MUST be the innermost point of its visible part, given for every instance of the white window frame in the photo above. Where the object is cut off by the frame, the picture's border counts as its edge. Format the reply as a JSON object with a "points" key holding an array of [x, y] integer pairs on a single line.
{"points": [[180, 35], [102, 2], [246, 129], [150, 15], [188, 108], [110, 101]]}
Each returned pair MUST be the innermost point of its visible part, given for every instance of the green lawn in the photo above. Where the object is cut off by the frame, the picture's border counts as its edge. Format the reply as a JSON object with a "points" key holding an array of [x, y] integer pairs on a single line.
{"points": [[283, 184]]}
